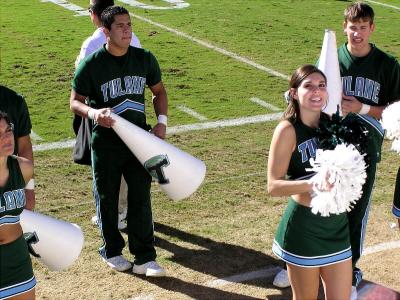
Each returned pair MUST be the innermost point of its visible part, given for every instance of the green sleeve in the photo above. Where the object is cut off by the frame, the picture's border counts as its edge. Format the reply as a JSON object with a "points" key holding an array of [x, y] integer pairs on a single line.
{"points": [[24, 121], [154, 71], [394, 85], [81, 82]]}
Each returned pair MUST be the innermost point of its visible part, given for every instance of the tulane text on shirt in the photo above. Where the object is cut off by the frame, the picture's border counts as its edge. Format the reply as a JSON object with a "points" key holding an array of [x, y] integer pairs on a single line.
{"points": [[12, 200], [120, 87], [363, 87], [307, 149]]}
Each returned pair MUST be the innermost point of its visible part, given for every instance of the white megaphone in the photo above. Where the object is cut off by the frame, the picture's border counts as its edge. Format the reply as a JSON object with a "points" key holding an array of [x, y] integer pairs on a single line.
{"points": [[329, 64], [178, 173], [54, 242]]}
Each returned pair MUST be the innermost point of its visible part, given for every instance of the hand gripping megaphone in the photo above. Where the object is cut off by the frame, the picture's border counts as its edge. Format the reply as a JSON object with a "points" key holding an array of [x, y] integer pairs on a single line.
{"points": [[178, 173], [55, 243], [329, 64]]}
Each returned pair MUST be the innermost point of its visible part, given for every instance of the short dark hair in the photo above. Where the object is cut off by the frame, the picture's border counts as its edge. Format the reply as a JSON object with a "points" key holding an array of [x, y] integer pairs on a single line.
{"points": [[98, 6], [108, 15], [359, 11], [5, 117]]}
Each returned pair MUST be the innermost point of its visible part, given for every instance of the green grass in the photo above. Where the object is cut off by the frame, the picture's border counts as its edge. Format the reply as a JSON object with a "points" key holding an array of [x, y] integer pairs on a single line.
{"points": [[227, 226], [41, 41]]}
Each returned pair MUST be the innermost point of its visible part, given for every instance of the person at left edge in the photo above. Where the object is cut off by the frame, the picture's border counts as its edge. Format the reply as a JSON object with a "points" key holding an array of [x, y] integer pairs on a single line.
{"points": [[15, 106], [114, 78], [17, 281]]}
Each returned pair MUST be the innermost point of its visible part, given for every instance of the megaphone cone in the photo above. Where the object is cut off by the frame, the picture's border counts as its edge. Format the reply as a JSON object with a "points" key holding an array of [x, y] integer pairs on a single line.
{"points": [[178, 173], [56, 243], [329, 64]]}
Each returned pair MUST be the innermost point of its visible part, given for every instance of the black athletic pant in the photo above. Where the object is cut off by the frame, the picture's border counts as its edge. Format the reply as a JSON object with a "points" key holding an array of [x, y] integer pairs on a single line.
{"points": [[358, 218], [109, 163]]}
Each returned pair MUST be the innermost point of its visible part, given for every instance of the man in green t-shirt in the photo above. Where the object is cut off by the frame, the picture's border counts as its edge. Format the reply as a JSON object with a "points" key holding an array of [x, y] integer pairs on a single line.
{"points": [[371, 81], [114, 78], [15, 106]]}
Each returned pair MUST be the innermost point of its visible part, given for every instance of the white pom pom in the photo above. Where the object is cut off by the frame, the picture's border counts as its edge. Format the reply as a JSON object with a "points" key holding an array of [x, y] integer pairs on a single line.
{"points": [[391, 123], [344, 169], [396, 145]]}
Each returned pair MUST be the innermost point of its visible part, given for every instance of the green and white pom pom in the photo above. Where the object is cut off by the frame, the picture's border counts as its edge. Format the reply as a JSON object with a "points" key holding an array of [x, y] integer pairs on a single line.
{"points": [[391, 123], [344, 168]]}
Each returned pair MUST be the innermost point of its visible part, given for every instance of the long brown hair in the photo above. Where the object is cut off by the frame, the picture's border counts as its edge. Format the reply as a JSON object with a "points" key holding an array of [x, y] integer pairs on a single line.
{"points": [[292, 112]]}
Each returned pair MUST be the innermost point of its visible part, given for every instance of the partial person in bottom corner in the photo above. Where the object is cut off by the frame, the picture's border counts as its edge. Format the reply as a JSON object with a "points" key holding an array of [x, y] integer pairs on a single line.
{"points": [[312, 246], [17, 281]]}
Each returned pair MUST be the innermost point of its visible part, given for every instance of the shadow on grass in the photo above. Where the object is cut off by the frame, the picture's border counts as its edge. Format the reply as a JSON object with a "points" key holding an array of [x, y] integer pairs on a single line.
{"points": [[217, 259]]}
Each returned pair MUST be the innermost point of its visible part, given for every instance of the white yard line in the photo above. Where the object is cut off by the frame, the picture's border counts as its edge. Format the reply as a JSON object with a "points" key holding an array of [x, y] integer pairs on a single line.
{"points": [[225, 123], [215, 48], [271, 271], [80, 11], [34, 136], [56, 145], [192, 113], [263, 273], [381, 247], [179, 129], [264, 104], [383, 4]]}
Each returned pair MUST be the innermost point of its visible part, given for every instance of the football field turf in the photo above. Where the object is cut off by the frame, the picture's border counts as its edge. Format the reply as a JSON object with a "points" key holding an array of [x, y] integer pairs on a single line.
{"points": [[225, 65]]}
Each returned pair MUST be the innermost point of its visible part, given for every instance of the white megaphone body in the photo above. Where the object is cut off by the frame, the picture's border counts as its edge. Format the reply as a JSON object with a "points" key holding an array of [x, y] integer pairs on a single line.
{"points": [[54, 242], [178, 173], [329, 64]]}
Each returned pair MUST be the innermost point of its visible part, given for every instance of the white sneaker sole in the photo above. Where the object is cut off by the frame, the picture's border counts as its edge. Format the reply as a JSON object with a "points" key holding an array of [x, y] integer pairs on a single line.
{"points": [[115, 268], [149, 273]]}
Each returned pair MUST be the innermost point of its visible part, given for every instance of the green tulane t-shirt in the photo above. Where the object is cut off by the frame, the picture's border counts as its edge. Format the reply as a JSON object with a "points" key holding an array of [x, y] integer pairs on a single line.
{"points": [[373, 80], [119, 83]]}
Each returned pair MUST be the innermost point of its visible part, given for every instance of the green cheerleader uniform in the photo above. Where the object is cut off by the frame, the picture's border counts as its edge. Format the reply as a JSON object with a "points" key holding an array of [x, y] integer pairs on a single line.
{"points": [[16, 273], [303, 238]]}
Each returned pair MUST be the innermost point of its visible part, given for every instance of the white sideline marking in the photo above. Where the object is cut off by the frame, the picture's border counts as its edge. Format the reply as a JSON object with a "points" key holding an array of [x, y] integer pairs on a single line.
{"points": [[264, 104], [191, 112], [34, 136], [179, 129], [263, 273], [215, 48], [383, 4], [55, 145], [381, 247]]}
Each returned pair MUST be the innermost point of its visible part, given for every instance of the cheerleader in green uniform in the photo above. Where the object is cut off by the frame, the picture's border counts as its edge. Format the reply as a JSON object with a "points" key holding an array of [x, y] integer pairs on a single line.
{"points": [[312, 246], [17, 281]]}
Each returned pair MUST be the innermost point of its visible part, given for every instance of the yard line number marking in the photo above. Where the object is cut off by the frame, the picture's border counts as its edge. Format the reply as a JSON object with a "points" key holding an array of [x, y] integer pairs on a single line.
{"points": [[82, 12]]}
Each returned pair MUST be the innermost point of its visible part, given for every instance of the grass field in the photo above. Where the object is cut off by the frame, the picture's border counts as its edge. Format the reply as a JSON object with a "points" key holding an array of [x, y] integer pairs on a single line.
{"points": [[226, 228]]}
